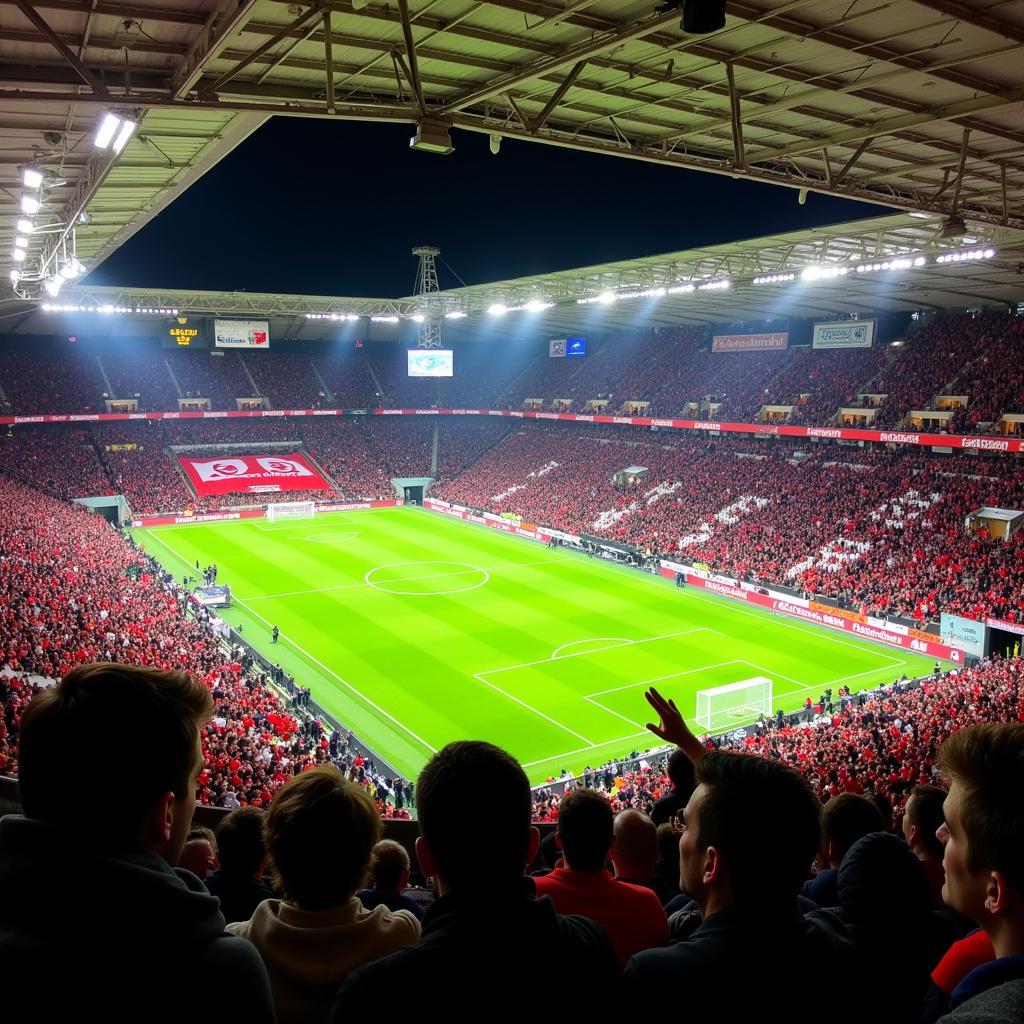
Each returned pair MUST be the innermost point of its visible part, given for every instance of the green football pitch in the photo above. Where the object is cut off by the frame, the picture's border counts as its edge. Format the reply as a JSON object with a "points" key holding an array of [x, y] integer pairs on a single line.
{"points": [[414, 630]]}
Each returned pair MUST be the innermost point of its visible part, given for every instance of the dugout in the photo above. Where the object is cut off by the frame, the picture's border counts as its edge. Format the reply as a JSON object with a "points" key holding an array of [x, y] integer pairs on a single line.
{"points": [[412, 489], [631, 476]]}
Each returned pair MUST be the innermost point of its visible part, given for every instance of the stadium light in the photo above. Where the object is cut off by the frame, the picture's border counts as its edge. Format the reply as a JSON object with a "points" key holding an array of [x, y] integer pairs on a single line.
{"points": [[455, 314], [53, 286], [31, 177], [384, 319], [126, 132], [108, 126], [682, 289], [15, 277], [536, 305], [418, 318], [774, 278], [901, 263], [607, 298], [497, 309], [18, 255], [20, 242], [25, 226], [720, 285], [967, 256], [819, 273], [71, 269], [29, 205]]}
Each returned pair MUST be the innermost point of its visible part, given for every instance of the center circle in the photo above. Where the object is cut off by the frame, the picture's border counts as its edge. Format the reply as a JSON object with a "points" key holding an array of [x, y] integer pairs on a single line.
{"points": [[427, 579]]}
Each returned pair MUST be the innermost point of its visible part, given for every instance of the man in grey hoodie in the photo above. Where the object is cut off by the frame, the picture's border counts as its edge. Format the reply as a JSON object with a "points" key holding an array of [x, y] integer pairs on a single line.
{"points": [[95, 920]]}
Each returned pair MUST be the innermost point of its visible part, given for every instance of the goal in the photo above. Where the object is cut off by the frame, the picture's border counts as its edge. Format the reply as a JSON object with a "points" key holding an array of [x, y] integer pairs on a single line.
{"points": [[724, 707], [291, 510]]}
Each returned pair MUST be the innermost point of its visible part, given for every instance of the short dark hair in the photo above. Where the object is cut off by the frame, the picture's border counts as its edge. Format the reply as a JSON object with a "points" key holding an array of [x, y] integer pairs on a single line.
{"points": [[763, 818], [680, 773], [586, 825], [390, 861], [988, 762], [321, 830], [924, 809], [147, 719], [241, 847], [847, 818], [470, 852]]}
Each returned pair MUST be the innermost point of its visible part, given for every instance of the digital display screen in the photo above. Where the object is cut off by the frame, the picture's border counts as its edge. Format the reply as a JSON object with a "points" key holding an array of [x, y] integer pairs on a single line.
{"points": [[575, 346], [431, 362]]}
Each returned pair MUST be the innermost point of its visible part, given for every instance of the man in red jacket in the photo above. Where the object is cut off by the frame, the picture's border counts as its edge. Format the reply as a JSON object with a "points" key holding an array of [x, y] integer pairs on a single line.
{"points": [[631, 914]]}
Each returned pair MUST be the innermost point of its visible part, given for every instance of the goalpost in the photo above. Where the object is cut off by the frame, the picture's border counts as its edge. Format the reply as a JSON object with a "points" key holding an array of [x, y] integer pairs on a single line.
{"points": [[291, 510], [722, 706]]}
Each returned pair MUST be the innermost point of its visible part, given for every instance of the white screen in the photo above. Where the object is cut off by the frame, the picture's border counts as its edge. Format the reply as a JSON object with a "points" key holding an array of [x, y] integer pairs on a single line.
{"points": [[431, 362]]}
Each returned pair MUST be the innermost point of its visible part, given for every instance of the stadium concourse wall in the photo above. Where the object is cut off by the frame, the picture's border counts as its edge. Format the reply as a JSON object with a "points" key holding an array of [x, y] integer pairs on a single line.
{"points": [[968, 442], [864, 626], [257, 513]]}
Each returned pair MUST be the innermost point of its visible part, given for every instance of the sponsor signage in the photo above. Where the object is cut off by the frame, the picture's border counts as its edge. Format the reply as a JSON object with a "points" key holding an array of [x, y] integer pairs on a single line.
{"points": [[1010, 627], [556, 348], [775, 341], [844, 334], [241, 334], [252, 474]]}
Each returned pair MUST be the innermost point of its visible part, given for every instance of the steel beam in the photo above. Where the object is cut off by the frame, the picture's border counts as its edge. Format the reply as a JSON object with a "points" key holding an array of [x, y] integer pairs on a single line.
{"points": [[58, 44], [229, 16]]}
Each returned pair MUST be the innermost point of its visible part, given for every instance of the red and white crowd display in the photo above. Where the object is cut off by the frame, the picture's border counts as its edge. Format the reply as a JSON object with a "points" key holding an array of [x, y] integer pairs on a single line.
{"points": [[966, 442], [252, 474]]}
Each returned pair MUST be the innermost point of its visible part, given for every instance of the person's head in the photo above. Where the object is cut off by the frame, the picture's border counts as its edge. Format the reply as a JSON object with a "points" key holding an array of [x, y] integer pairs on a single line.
{"points": [[200, 853], [585, 829], [241, 847], [635, 851], [668, 853], [983, 832], [922, 819], [320, 834], [845, 819], [680, 773], [752, 829], [390, 866], [455, 847], [153, 721]]}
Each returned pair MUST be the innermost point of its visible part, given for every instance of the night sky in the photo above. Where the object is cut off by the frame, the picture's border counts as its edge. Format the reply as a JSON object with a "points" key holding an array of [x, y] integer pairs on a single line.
{"points": [[305, 206]]}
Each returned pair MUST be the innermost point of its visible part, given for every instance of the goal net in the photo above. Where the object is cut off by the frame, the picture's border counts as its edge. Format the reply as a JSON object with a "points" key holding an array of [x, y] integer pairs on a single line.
{"points": [[291, 510], [725, 707]]}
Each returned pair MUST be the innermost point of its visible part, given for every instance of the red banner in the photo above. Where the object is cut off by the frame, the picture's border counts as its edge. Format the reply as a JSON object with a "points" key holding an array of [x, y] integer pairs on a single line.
{"points": [[750, 342], [987, 443], [252, 474]]}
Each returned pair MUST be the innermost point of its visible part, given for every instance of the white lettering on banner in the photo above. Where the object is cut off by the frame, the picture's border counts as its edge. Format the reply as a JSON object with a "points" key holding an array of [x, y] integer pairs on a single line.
{"points": [[766, 429], [216, 415], [661, 423], [426, 412], [701, 425], [823, 432], [29, 419], [585, 419], [172, 415], [899, 438], [137, 415], [627, 420], [720, 588], [208, 517], [547, 416], [988, 443], [1010, 627]]}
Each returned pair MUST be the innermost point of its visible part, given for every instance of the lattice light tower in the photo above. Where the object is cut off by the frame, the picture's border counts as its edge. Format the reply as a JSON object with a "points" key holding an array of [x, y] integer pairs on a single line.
{"points": [[426, 284]]}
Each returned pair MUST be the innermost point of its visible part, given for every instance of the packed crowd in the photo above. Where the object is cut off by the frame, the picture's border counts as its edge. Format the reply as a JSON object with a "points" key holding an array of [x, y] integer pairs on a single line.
{"points": [[73, 590], [59, 460], [674, 370]]}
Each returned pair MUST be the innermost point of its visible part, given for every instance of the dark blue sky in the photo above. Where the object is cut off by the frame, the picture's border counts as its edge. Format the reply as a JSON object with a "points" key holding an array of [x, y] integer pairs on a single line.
{"points": [[309, 206]]}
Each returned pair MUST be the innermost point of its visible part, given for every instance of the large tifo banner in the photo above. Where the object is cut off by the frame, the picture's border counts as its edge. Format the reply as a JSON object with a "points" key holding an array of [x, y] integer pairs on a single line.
{"points": [[750, 342], [252, 474], [241, 334], [844, 334]]}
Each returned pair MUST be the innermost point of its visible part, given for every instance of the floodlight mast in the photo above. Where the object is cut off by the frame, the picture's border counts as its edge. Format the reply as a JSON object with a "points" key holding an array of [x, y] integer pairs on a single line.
{"points": [[426, 285]]}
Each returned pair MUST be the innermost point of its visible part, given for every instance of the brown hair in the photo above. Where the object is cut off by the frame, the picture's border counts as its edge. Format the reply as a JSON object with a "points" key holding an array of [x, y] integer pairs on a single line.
{"points": [[390, 862], [141, 722], [585, 828], [847, 818], [320, 833], [988, 762]]}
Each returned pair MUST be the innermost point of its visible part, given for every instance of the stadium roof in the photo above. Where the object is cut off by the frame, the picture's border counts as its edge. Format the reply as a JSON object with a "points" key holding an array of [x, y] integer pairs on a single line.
{"points": [[913, 104], [772, 277]]}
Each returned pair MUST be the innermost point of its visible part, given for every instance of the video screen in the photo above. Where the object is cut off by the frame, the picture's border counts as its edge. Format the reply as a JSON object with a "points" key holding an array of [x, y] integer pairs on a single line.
{"points": [[431, 362], [575, 346]]}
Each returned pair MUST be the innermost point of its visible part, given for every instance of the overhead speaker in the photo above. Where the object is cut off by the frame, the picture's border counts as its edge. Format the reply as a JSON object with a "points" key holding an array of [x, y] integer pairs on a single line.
{"points": [[702, 16]]}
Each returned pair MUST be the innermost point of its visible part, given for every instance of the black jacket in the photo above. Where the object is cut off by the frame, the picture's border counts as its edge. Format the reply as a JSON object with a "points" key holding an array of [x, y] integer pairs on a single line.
{"points": [[115, 937], [490, 953], [239, 897], [740, 958]]}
